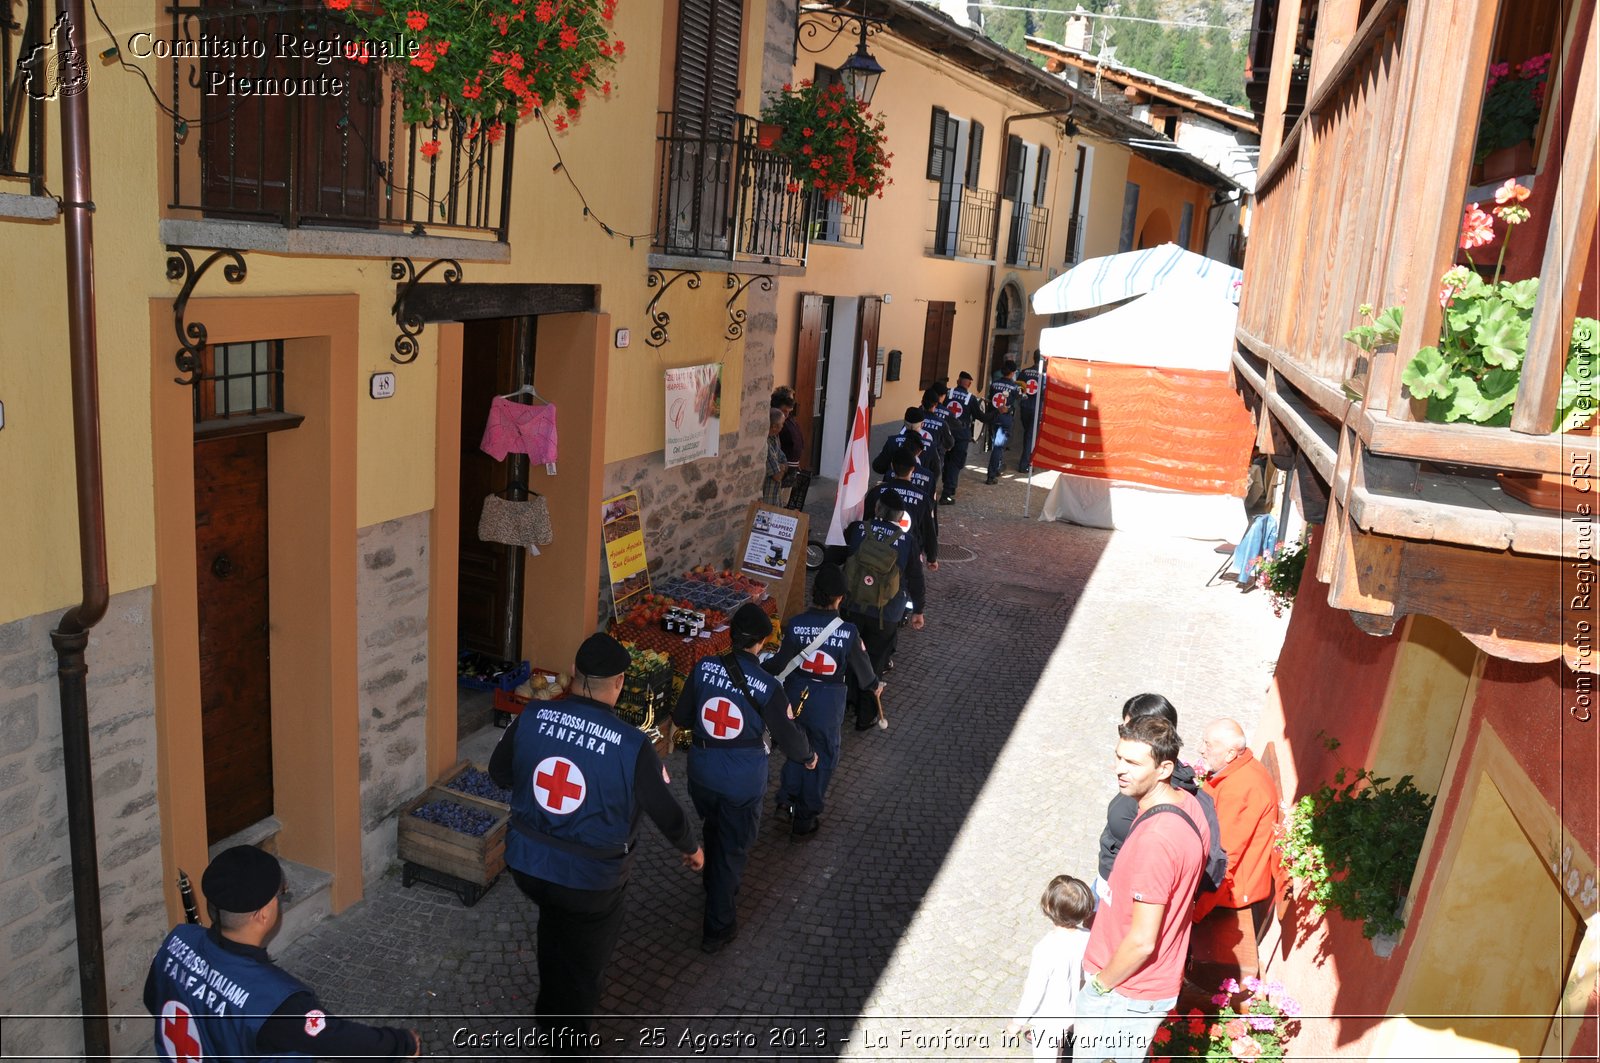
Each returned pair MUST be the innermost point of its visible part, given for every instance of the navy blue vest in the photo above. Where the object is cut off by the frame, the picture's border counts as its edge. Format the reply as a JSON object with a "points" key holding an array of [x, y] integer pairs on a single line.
{"points": [[822, 675], [937, 418], [212, 1002], [1003, 400], [1024, 379], [914, 497], [572, 802], [729, 755], [962, 407]]}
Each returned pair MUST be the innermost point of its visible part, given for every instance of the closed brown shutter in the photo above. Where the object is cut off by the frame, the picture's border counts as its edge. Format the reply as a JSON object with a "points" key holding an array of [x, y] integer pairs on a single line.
{"points": [[1041, 177], [808, 346], [1012, 186], [868, 313], [706, 75], [974, 154], [938, 147], [936, 333]]}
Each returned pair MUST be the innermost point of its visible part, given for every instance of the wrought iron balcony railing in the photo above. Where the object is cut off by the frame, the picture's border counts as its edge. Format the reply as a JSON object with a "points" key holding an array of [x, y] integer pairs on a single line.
{"points": [[24, 87], [1030, 226], [964, 223], [839, 221], [294, 150], [722, 195]]}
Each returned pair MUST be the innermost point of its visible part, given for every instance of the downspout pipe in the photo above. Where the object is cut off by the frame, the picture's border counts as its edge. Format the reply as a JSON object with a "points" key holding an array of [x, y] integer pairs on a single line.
{"points": [[999, 199], [71, 636]]}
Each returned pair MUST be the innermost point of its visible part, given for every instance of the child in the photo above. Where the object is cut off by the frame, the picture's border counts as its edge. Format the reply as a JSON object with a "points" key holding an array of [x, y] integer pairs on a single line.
{"points": [[1055, 973]]}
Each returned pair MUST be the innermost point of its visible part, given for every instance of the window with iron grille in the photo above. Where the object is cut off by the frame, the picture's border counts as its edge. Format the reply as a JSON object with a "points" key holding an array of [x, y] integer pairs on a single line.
{"points": [[239, 380]]}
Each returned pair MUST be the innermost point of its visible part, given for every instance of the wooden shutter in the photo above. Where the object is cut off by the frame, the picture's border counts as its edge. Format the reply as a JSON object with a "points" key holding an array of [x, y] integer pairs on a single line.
{"points": [[868, 313], [936, 334], [1011, 188], [706, 75], [808, 347], [974, 154], [938, 147], [1041, 176]]}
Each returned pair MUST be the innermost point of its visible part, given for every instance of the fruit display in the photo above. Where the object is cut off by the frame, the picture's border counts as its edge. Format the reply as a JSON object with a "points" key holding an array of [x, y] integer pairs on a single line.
{"points": [[755, 589], [644, 687], [478, 784], [544, 686], [704, 595], [473, 822]]}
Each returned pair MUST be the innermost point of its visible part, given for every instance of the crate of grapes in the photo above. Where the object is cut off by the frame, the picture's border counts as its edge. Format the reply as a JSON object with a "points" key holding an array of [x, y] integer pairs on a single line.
{"points": [[455, 840]]}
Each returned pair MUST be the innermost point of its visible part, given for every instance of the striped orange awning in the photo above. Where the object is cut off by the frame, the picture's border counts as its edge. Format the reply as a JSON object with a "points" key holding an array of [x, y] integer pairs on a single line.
{"points": [[1180, 429]]}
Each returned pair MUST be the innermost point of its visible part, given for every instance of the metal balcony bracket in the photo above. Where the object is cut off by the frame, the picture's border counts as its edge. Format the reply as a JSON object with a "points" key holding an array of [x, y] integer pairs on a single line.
{"points": [[736, 315], [660, 319], [192, 334], [816, 28], [401, 269]]}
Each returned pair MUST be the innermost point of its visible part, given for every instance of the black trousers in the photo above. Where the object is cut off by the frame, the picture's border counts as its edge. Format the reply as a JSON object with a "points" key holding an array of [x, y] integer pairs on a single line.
{"points": [[731, 826], [880, 639], [577, 933]]}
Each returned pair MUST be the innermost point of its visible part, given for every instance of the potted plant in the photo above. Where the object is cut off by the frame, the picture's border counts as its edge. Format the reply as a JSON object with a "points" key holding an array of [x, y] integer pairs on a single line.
{"points": [[1512, 101], [488, 64], [1353, 846], [1254, 1020], [1279, 572], [834, 145], [1472, 373]]}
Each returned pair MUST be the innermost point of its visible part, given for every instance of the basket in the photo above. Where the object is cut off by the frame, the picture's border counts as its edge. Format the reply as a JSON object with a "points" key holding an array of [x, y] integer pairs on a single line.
{"points": [[508, 677], [460, 768], [476, 860]]}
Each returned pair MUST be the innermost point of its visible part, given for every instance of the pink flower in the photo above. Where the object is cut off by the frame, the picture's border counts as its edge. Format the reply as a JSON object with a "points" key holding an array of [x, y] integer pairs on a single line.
{"points": [[1510, 192], [1231, 985], [1477, 228], [1236, 1028], [1220, 999], [1245, 1048], [1252, 983], [1262, 1022]]}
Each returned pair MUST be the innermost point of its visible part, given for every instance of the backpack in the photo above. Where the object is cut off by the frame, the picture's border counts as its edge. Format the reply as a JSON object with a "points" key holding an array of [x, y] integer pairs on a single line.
{"points": [[1216, 865], [872, 576]]}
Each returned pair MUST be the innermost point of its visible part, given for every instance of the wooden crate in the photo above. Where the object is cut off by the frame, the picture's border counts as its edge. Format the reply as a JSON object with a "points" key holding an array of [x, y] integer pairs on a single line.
{"points": [[471, 799], [476, 860]]}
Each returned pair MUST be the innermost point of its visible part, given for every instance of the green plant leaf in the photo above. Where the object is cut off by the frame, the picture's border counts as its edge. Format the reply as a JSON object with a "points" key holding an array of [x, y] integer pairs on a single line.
{"points": [[1427, 374], [1521, 294], [1363, 336], [1502, 335], [1388, 323]]}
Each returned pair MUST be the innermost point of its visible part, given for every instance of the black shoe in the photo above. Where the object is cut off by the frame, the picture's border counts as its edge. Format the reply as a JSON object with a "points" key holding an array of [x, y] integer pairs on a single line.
{"points": [[804, 829], [948, 500], [1026, 470], [992, 480], [714, 943], [870, 725], [785, 810]]}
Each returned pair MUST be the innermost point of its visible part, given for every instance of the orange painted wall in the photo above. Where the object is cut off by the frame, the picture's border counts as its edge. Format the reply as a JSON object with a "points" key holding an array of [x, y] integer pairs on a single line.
{"points": [[1164, 190]]}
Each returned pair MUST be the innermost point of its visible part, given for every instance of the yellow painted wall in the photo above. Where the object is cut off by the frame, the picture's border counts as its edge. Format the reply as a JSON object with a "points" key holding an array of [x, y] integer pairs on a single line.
{"points": [[1104, 198], [895, 260], [610, 153], [1163, 190], [1427, 688]]}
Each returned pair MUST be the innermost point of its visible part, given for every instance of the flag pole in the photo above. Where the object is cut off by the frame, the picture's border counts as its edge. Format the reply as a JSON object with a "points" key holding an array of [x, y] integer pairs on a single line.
{"points": [[1038, 414], [855, 471]]}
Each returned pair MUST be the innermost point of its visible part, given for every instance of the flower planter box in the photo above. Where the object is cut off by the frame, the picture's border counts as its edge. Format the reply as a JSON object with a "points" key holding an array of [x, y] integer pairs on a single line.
{"points": [[768, 134], [466, 864]]}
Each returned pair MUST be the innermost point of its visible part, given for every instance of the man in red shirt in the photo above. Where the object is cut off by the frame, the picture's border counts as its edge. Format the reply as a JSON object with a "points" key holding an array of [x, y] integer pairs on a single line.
{"points": [[1134, 960], [1247, 814]]}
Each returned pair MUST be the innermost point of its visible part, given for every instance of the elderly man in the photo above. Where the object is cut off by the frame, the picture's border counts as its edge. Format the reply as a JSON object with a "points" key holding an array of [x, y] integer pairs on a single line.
{"points": [[1247, 815]]}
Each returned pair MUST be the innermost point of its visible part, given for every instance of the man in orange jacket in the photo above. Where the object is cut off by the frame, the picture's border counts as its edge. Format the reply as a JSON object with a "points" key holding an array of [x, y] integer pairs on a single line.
{"points": [[1247, 814]]}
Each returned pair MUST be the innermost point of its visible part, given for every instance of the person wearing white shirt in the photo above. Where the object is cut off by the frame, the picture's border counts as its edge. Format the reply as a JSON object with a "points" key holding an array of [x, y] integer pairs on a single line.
{"points": [[1055, 972]]}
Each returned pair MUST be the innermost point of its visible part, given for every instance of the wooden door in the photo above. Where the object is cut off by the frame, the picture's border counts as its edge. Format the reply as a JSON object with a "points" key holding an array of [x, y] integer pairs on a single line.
{"points": [[489, 575], [811, 374], [936, 332], [869, 311], [230, 504]]}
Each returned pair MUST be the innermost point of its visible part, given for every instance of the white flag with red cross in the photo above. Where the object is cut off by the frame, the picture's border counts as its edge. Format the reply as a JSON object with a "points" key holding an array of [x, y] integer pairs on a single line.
{"points": [[855, 478]]}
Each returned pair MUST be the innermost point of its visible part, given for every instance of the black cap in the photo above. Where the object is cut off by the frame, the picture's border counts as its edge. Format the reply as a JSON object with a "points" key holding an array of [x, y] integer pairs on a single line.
{"points": [[749, 622], [964, 375], [829, 583], [242, 879], [913, 415], [601, 657]]}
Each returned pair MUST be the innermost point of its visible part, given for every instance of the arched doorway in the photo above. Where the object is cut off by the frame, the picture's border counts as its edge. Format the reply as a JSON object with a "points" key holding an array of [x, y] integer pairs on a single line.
{"points": [[1005, 337], [1157, 229]]}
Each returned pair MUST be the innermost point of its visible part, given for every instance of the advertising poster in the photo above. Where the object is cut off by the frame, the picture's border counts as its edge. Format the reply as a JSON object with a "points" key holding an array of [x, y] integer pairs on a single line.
{"points": [[622, 530], [770, 545], [694, 413]]}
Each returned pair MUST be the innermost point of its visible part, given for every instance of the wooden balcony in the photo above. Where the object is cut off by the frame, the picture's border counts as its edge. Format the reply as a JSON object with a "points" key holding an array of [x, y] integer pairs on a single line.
{"points": [[1362, 204]]}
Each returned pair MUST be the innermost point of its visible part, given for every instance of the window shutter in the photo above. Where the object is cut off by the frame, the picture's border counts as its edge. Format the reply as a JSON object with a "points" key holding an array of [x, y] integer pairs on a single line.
{"points": [[1012, 187], [1042, 177], [974, 154], [936, 333], [938, 147], [706, 75]]}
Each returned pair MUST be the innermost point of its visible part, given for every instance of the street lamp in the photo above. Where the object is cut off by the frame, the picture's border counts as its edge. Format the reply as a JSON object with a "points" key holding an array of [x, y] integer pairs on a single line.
{"points": [[860, 73]]}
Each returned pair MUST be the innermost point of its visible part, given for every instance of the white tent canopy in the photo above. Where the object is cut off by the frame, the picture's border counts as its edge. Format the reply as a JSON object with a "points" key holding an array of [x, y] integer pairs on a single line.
{"points": [[1183, 325], [1113, 278]]}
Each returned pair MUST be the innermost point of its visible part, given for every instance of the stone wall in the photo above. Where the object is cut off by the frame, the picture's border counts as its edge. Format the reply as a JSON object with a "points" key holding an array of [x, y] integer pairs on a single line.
{"points": [[38, 951], [392, 620]]}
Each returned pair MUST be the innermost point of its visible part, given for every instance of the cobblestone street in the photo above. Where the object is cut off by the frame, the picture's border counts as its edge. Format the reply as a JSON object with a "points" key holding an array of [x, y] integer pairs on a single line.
{"points": [[902, 929]]}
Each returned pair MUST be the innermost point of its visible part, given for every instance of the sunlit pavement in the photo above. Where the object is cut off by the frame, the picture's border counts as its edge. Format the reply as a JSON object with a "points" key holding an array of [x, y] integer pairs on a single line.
{"points": [[902, 928]]}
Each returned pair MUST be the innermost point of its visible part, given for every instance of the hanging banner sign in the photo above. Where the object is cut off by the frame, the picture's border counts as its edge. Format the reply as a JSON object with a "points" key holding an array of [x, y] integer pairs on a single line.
{"points": [[694, 413], [622, 530]]}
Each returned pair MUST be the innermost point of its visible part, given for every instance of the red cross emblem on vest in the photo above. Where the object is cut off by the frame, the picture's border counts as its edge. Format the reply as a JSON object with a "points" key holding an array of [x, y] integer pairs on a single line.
{"points": [[178, 1033], [999, 401], [1031, 386], [818, 663], [721, 718], [904, 521], [558, 785], [956, 409]]}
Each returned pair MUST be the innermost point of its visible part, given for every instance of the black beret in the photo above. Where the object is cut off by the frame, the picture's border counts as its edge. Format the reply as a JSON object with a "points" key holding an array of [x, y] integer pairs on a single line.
{"points": [[601, 657], [913, 415], [750, 622], [242, 879], [829, 583]]}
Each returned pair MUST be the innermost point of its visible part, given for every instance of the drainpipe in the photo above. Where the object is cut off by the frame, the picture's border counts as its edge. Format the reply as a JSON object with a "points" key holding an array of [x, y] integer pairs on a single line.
{"points": [[71, 636], [994, 267]]}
